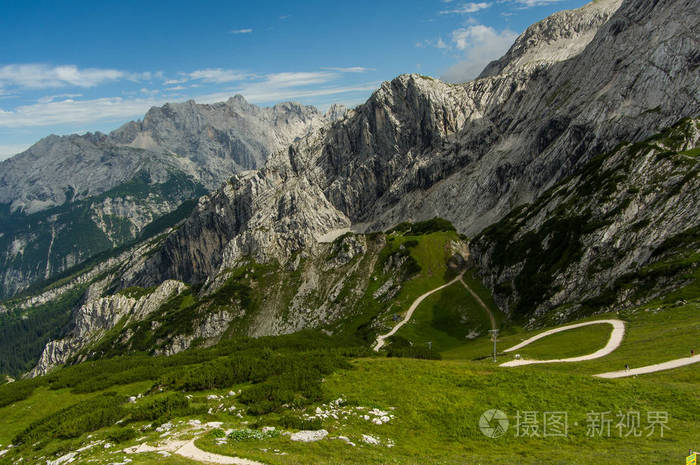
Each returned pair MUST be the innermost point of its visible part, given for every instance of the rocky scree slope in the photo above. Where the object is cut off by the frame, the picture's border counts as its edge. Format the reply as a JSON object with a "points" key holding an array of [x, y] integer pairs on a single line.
{"points": [[68, 198], [345, 287], [622, 231], [420, 148]]}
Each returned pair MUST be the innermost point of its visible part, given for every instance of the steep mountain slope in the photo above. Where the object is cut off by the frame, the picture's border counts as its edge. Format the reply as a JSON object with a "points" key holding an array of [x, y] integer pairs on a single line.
{"points": [[348, 287], [418, 148], [557, 38], [104, 189], [469, 153], [624, 230]]}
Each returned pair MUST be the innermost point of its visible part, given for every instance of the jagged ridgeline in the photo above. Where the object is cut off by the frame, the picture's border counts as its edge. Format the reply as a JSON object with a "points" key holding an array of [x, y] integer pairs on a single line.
{"points": [[67, 199]]}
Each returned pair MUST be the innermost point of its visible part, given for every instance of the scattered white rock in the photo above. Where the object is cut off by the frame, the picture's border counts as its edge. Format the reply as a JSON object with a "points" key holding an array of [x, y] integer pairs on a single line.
{"points": [[141, 448], [370, 439], [267, 429], [309, 436], [68, 458], [126, 460], [347, 440], [164, 427]]}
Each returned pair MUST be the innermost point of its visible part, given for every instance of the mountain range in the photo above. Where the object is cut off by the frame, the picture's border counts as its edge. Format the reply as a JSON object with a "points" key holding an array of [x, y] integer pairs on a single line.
{"points": [[69, 198], [568, 170]]}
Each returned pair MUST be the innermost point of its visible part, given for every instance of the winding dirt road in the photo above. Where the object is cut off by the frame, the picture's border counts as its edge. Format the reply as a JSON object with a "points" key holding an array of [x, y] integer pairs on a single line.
{"points": [[679, 362], [479, 301], [613, 343], [189, 450], [381, 339]]}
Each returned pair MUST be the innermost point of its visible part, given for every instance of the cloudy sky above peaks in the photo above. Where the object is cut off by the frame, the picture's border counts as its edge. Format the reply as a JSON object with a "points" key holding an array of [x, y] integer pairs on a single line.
{"points": [[78, 66]]}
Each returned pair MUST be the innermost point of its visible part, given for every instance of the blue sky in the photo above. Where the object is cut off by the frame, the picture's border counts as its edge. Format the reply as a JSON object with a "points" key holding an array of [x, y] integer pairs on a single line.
{"points": [[76, 66]]}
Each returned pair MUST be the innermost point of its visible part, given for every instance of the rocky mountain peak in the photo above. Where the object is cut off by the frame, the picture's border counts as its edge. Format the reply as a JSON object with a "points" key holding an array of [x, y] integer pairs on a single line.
{"points": [[556, 38], [336, 112], [420, 148]]}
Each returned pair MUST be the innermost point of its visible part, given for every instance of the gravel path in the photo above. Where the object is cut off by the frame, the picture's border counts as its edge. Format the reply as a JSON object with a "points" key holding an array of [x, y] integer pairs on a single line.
{"points": [[381, 339], [190, 451], [651, 368], [481, 302], [613, 343]]}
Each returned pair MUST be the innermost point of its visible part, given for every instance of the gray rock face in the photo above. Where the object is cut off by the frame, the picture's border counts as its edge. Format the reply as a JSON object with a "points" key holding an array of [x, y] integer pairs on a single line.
{"points": [[469, 153], [557, 38], [606, 238], [420, 148], [99, 315], [68, 198]]}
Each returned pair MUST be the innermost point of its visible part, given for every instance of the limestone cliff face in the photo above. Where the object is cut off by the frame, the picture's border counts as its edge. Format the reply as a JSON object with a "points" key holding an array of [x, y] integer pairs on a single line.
{"points": [[98, 315], [69, 198], [207, 142], [559, 37], [621, 231], [420, 148]]}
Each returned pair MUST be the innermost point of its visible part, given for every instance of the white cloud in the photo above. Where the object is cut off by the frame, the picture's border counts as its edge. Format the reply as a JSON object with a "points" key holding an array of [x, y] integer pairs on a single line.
{"points": [[471, 7], [260, 93], [351, 69], [242, 31], [170, 82], [75, 111], [275, 87], [37, 76], [215, 75], [51, 98], [531, 3], [480, 44], [297, 79], [6, 151], [438, 43], [40, 76]]}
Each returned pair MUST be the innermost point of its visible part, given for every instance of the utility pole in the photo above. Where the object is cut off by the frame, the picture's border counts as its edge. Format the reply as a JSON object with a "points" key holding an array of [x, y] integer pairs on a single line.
{"points": [[494, 338]]}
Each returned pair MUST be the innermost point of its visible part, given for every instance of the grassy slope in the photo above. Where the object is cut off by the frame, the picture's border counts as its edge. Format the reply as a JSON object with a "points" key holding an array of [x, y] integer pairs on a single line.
{"points": [[570, 343], [447, 317], [430, 253], [437, 403]]}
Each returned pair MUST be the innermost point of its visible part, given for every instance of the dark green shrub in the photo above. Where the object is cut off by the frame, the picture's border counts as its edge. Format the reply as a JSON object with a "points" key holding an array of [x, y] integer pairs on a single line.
{"points": [[161, 409], [122, 435], [71, 422], [294, 422]]}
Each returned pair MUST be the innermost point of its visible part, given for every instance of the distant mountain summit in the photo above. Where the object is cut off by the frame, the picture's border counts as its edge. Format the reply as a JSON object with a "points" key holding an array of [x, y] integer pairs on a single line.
{"points": [[105, 189]]}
